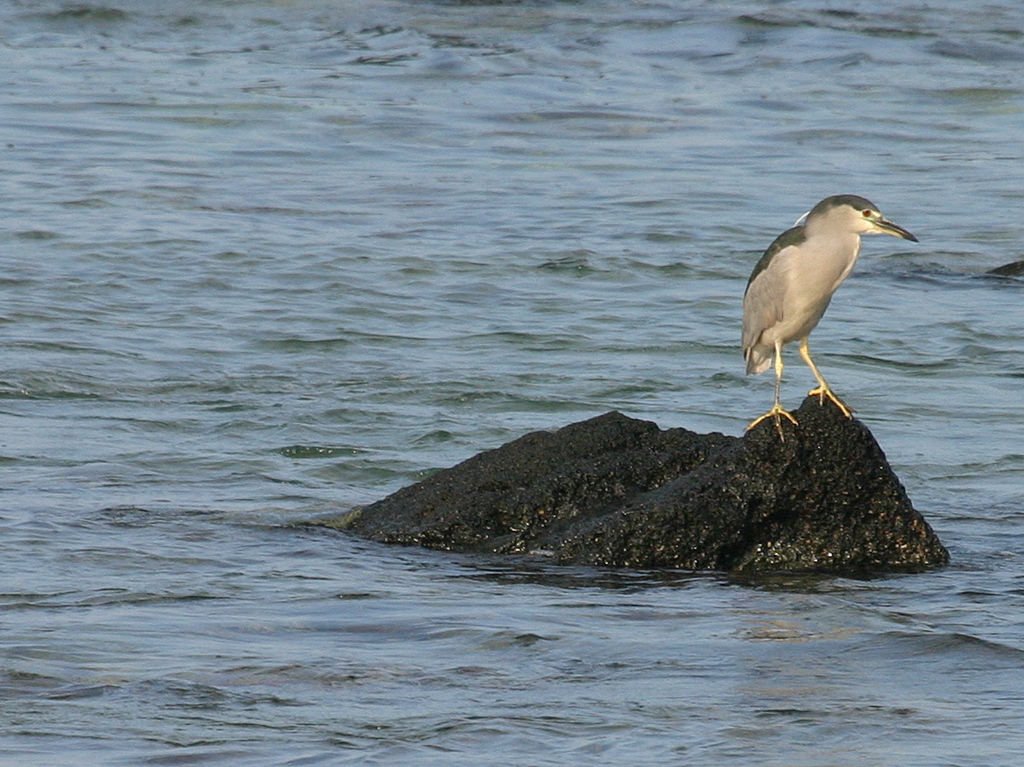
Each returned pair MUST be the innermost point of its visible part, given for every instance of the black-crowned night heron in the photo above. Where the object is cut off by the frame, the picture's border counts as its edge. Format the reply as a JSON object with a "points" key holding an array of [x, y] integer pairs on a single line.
{"points": [[792, 284]]}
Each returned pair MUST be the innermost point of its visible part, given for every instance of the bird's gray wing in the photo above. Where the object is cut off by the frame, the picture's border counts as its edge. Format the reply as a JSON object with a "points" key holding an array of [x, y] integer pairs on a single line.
{"points": [[794, 236], [762, 302]]}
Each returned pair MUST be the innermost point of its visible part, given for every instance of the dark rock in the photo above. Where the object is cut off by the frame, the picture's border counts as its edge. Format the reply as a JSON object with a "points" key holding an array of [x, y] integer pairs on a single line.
{"points": [[1013, 269], [617, 491]]}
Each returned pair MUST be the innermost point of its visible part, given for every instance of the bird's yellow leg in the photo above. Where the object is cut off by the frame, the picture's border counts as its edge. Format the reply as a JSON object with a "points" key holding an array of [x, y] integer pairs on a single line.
{"points": [[777, 409], [822, 390]]}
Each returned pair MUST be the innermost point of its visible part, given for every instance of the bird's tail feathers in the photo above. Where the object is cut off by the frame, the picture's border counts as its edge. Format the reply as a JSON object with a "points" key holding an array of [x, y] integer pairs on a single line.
{"points": [[758, 360]]}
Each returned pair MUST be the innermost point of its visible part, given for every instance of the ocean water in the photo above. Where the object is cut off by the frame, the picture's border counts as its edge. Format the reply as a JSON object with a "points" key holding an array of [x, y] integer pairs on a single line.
{"points": [[265, 261]]}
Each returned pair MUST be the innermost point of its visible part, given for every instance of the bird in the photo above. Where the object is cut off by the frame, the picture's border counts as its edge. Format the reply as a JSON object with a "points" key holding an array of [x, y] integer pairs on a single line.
{"points": [[793, 282]]}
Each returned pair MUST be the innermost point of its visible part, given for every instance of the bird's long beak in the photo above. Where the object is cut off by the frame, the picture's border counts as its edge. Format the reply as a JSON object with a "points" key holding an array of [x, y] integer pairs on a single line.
{"points": [[885, 226]]}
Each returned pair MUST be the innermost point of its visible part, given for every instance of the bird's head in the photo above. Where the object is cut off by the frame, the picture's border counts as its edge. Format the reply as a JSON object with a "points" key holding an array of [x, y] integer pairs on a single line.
{"points": [[852, 213]]}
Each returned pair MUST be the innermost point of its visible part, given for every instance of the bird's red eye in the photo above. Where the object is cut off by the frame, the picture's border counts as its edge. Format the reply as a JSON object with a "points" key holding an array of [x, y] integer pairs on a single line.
{"points": [[866, 213]]}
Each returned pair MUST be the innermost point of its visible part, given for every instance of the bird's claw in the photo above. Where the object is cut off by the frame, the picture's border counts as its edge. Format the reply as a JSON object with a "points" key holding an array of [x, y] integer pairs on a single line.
{"points": [[776, 412], [823, 391]]}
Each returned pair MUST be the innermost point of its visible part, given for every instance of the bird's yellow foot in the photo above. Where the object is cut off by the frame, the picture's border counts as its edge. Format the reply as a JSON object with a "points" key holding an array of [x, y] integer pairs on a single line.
{"points": [[823, 391], [775, 413]]}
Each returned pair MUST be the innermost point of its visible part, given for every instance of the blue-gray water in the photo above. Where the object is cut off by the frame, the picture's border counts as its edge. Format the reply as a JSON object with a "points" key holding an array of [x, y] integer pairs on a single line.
{"points": [[264, 261]]}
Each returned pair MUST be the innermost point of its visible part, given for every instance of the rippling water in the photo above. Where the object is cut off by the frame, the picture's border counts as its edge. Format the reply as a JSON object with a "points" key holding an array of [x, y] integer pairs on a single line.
{"points": [[264, 261]]}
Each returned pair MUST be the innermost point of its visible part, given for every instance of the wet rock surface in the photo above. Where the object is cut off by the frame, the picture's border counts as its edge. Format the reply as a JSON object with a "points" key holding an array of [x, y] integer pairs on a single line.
{"points": [[618, 491]]}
